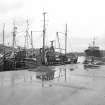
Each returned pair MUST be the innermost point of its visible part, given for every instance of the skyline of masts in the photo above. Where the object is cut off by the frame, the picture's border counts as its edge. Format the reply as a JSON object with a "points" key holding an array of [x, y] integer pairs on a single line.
{"points": [[29, 36]]}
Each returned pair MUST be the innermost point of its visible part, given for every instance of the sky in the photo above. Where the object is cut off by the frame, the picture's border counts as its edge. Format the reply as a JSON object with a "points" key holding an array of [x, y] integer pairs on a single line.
{"points": [[85, 20]]}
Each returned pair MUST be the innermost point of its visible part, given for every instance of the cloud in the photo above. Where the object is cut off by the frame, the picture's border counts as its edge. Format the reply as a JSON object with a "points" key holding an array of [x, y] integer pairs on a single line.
{"points": [[85, 19], [8, 6]]}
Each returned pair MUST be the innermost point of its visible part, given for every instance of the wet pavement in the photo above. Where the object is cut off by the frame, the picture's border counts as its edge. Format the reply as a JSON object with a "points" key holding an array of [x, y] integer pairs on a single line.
{"points": [[73, 85]]}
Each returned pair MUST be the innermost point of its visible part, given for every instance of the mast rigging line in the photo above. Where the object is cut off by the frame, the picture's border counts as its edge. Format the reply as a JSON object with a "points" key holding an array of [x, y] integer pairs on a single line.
{"points": [[27, 36], [36, 31], [65, 39], [62, 33]]}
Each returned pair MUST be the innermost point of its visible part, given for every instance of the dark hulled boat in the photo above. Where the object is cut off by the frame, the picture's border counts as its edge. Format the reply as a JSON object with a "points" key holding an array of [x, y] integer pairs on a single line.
{"points": [[93, 54]]}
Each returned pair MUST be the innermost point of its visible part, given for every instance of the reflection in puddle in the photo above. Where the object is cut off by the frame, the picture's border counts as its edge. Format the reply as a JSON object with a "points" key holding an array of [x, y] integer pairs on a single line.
{"points": [[66, 72], [15, 77], [12, 78]]}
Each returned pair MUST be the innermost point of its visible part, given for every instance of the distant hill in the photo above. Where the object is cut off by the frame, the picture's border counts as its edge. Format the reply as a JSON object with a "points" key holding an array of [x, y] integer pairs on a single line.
{"points": [[36, 51], [80, 53], [77, 53]]}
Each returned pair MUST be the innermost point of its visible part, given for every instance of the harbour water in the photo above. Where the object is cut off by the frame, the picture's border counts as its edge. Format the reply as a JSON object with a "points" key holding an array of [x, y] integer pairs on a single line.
{"points": [[72, 85]]}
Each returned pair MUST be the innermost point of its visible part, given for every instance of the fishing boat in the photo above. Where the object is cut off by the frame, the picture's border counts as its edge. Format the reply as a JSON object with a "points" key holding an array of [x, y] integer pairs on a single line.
{"points": [[12, 58], [49, 55], [6, 62], [93, 54], [66, 57]]}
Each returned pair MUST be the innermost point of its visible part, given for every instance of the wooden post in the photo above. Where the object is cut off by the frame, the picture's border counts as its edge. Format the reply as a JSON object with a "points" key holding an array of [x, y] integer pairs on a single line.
{"points": [[42, 79], [59, 73], [30, 77], [65, 74]]}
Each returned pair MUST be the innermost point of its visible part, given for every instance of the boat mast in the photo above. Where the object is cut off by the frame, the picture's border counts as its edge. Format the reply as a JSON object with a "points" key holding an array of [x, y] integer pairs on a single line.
{"points": [[3, 34], [3, 46], [94, 42], [32, 43], [14, 42], [66, 40], [52, 43], [27, 34], [27, 37], [44, 33], [14, 36]]}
